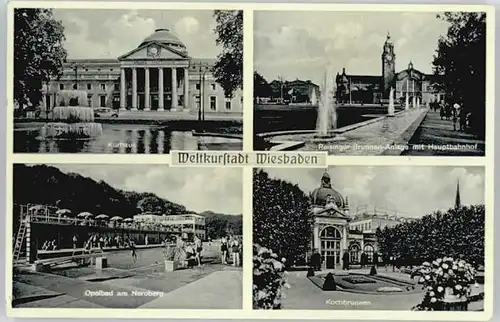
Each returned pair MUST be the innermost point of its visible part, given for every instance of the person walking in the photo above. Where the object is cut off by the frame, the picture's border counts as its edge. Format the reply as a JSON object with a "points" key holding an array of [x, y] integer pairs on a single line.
{"points": [[131, 245], [456, 114], [463, 119]]}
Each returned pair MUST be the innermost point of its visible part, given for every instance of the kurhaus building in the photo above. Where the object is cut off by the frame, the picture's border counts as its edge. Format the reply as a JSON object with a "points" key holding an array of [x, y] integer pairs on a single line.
{"points": [[157, 75], [370, 89]]}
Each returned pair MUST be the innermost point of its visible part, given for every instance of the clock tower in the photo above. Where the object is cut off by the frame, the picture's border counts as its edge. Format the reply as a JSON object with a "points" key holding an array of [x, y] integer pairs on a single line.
{"points": [[388, 67]]}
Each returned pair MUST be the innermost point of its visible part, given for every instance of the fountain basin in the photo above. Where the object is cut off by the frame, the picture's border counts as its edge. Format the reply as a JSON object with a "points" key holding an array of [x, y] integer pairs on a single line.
{"points": [[73, 114], [67, 131]]}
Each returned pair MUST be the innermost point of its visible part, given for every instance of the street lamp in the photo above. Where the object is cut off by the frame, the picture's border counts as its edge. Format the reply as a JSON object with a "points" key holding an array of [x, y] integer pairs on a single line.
{"points": [[75, 67], [201, 109]]}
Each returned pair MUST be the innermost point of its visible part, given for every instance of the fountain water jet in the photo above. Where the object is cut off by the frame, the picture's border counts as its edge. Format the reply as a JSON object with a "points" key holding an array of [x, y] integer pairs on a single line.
{"points": [[72, 119], [327, 115], [413, 104], [390, 111], [407, 103], [314, 98]]}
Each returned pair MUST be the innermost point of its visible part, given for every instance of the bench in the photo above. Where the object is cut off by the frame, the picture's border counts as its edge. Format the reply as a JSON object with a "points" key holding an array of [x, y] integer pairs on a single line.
{"points": [[97, 259]]}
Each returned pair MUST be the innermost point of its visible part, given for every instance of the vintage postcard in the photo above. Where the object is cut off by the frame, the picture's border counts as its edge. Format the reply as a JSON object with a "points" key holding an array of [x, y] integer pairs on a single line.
{"points": [[369, 83], [126, 236], [127, 81], [250, 161]]}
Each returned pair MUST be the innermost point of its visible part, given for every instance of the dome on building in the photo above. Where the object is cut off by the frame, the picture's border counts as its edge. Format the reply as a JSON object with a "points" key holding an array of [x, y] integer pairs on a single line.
{"points": [[167, 38], [325, 193]]}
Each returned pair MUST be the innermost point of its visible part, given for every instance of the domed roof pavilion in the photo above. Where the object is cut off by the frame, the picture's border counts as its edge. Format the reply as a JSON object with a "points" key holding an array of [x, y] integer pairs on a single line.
{"points": [[325, 193]]}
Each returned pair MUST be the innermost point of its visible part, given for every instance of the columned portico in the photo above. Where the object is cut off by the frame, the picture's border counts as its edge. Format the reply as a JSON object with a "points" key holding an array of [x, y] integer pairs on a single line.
{"points": [[151, 92], [134, 89], [123, 89], [161, 63], [160, 90], [186, 89], [174, 89], [147, 95]]}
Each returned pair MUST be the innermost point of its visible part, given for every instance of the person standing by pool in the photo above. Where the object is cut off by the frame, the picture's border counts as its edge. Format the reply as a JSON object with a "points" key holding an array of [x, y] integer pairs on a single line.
{"points": [[223, 249], [190, 255], [235, 249], [198, 249]]}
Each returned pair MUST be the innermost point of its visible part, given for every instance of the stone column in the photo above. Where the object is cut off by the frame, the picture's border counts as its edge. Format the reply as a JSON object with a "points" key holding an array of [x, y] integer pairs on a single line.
{"points": [[174, 88], [147, 95], [160, 89], [134, 89], [186, 88], [123, 90]]}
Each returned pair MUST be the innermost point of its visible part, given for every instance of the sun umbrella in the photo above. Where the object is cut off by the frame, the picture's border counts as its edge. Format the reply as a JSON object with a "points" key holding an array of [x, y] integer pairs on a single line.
{"points": [[63, 212], [37, 207], [128, 220], [102, 216], [85, 214], [116, 218]]}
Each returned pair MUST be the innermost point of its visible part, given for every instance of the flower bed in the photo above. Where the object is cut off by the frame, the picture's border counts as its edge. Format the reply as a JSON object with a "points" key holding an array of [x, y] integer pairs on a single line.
{"points": [[268, 279], [447, 284], [358, 280]]}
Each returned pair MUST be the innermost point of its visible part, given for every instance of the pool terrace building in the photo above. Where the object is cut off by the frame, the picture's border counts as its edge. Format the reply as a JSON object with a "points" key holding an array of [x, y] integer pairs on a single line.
{"points": [[187, 223], [157, 75]]}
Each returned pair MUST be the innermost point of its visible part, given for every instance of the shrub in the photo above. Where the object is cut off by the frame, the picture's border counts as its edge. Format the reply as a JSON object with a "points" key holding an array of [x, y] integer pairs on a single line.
{"points": [[445, 277], [268, 279]]}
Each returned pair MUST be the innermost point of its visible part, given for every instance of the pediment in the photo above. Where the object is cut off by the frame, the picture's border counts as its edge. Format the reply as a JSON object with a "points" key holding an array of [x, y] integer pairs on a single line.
{"points": [[329, 212], [153, 51], [410, 74]]}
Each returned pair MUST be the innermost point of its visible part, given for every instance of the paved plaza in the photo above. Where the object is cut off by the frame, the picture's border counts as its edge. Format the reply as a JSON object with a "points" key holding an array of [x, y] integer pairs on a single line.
{"points": [[305, 295], [134, 284], [436, 131]]}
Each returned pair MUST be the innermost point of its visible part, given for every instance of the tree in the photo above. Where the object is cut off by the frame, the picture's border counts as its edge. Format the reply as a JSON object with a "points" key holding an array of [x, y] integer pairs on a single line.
{"points": [[282, 218], [460, 64], [261, 87], [458, 233], [152, 204], [228, 70], [38, 53], [220, 225]]}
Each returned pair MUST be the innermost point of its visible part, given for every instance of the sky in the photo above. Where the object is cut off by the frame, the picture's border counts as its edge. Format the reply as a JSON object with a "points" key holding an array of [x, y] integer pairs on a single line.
{"points": [[198, 189], [110, 33], [304, 44], [413, 191]]}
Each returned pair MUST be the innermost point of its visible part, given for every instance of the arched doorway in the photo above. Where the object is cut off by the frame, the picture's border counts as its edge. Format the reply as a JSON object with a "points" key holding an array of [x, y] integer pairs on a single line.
{"points": [[354, 253], [368, 249], [330, 242]]}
